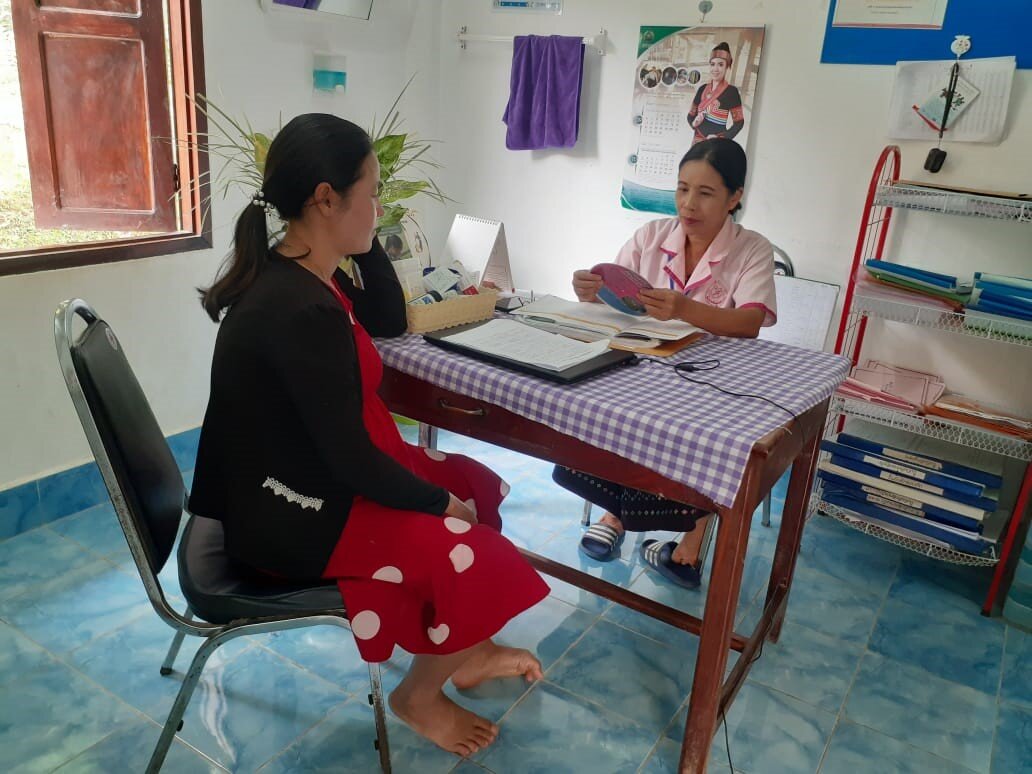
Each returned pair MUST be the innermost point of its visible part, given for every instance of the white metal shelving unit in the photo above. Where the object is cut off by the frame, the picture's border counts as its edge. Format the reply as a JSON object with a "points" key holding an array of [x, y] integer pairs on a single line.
{"points": [[864, 301]]}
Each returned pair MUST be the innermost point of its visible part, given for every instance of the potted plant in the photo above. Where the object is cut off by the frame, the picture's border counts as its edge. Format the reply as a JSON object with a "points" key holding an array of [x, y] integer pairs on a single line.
{"points": [[405, 164]]}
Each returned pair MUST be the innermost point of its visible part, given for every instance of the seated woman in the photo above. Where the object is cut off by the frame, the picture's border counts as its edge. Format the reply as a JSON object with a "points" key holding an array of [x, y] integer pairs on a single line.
{"points": [[301, 461], [705, 270]]}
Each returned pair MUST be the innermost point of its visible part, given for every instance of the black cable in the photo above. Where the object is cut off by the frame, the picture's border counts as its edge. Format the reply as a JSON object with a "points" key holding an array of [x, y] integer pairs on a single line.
{"points": [[711, 364], [727, 743], [727, 740]]}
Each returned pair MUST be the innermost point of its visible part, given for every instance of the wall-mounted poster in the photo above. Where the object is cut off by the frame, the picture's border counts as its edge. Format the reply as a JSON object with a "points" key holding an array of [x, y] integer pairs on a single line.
{"points": [[690, 83]]}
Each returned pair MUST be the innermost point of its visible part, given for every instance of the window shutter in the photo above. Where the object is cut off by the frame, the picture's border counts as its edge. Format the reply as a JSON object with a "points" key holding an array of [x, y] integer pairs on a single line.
{"points": [[98, 123]]}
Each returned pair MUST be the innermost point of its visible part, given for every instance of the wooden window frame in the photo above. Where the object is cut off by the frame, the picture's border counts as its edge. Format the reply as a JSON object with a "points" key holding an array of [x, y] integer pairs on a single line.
{"points": [[186, 44]]}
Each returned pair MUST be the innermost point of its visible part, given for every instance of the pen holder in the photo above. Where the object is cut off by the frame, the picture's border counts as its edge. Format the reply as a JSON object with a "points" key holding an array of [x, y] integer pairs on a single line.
{"points": [[456, 310]]}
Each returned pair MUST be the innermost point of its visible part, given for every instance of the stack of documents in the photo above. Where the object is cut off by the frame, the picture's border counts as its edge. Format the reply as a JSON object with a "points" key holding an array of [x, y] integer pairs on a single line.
{"points": [[594, 322], [887, 385], [942, 502], [514, 341], [867, 285], [920, 281], [997, 294], [973, 412]]}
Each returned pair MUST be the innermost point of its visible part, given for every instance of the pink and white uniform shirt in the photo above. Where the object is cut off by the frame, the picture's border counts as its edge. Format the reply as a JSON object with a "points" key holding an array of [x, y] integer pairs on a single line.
{"points": [[736, 272]]}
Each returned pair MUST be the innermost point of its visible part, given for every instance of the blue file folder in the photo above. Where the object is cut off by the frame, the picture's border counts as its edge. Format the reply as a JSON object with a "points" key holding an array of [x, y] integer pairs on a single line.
{"points": [[986, 504], [945, 482], [990, 480], [880, 497], [971, 545]]}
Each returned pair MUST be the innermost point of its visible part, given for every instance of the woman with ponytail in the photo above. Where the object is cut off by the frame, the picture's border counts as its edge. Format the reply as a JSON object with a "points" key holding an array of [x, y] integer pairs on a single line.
{"points": [[303, 465]]}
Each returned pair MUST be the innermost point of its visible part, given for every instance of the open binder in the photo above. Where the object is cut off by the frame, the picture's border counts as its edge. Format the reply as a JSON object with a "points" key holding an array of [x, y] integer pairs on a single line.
{"points": [[598, 364]]}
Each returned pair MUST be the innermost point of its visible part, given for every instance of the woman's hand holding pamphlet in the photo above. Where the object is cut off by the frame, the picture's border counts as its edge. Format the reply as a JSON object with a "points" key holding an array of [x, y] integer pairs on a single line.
{"points": [[621, 319], [620, 287]]}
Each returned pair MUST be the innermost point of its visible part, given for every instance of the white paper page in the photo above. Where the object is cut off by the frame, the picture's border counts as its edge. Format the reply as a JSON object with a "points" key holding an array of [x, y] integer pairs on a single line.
{"points": [[605, 319], [498, 269], [479, 245], [805, 309], [983, 121], [516, 341], [900, 14]]}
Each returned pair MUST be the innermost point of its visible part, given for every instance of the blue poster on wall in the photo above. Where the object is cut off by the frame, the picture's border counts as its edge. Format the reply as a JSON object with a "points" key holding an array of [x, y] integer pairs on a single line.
{"points": [[996, 28]]}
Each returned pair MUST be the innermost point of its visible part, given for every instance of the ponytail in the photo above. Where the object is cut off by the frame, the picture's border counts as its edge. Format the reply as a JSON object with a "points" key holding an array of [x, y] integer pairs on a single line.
{"points": [[312, 148], [242, 266]]}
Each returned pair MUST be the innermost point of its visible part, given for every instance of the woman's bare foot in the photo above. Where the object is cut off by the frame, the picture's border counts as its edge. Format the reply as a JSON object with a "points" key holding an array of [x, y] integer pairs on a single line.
{"points": [[488, 661], [610, 520], [443, 722], [686, 552]]}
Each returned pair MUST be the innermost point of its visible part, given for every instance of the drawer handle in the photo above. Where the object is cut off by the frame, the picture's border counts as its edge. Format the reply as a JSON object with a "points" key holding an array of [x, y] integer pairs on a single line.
{"points": [[477, 412]]}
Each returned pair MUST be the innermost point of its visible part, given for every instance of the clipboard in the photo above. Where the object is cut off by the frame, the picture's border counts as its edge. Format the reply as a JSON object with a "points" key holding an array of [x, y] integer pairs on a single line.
{"points": [[597, 365]]}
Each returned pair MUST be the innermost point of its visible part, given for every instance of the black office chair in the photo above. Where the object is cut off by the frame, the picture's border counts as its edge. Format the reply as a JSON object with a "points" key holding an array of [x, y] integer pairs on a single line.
{"points": [[224, 599], [782, 263]]}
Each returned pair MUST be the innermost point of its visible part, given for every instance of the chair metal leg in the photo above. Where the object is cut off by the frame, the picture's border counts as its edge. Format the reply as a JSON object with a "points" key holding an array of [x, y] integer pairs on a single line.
{"points": [[175, 716], [586, 518], [707, 539], [427, 436], [766, 511], [376, 699], [173, 650]]}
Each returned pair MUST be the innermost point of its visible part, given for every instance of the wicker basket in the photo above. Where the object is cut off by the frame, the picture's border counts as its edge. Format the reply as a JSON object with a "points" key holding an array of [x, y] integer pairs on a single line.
{"points": [[457, 310]]}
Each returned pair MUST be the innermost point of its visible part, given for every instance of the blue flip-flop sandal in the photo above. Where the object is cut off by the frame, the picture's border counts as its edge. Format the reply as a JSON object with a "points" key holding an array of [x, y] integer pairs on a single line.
{"points": [[601, 542], [660, 557]]}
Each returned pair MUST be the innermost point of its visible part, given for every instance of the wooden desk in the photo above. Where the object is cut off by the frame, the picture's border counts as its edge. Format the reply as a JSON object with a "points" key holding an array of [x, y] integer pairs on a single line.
{"points": [[795, 444]]}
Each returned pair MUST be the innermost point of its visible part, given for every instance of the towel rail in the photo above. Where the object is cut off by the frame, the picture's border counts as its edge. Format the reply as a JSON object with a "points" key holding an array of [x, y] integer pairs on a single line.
{"points": [[596, 41]]}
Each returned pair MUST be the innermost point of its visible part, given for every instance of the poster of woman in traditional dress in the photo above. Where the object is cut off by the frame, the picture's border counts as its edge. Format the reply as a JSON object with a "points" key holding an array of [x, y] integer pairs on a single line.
{"points": [[690, 83]]}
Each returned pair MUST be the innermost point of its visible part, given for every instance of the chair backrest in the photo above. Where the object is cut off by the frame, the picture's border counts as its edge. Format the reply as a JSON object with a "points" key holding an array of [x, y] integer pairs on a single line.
{"points": [[805, 312], [138, 468], [782, 263]]}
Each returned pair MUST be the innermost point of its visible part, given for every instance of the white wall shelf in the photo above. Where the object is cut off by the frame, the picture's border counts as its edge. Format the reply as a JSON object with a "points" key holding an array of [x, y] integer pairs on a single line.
{"points": [[936, 427], [917, 197], [971, 323], [910, 543]]}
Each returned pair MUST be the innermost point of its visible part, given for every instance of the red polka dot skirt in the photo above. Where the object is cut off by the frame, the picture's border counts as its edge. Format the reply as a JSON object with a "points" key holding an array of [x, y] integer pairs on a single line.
{"points": [[431, 584]]}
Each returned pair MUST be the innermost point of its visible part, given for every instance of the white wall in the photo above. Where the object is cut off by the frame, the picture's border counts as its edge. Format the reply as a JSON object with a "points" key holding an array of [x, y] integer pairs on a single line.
{"points": [[816, 133], [257, 64]]}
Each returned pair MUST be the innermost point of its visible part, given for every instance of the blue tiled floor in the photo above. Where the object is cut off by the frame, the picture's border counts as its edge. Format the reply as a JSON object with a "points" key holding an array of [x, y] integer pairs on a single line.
{"points": [[884, 665]]}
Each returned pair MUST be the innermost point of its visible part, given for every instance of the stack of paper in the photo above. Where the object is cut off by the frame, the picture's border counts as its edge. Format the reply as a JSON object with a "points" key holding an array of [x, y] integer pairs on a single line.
{"points": [[997, 294], [887, 385], [867, 285], [511, 340], [973, 412], [940, 501], [587, 321], [920, 281]]}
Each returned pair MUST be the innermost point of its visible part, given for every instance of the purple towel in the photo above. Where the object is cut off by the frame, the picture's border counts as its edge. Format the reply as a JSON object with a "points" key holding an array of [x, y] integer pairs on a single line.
{"points": [[544, 92]]}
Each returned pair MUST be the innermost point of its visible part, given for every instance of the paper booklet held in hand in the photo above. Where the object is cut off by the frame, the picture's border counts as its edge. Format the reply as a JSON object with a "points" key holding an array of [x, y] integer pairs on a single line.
{"points": [[620, 287], [596, 322]]}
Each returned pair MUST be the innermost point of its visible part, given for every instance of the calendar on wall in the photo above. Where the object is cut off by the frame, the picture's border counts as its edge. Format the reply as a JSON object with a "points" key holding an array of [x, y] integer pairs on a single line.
{"points": [[541, 6], [690, 84]]}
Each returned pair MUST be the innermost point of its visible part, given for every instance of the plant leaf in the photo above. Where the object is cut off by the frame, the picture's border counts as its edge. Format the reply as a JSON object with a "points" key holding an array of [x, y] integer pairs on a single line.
{"points": [[395, 190], [392, 216], [261, 145], [388, 151]]}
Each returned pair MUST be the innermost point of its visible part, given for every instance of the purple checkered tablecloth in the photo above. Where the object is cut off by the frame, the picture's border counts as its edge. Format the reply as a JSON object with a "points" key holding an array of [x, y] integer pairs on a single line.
{"points": [[647, 413]]}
